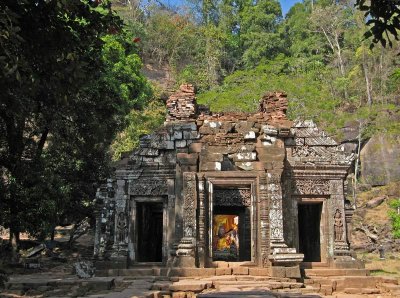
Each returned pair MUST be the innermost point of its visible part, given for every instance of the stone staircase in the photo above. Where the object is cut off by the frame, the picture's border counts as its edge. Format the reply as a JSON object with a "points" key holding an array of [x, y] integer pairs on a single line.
{"points": [[352, 282], [206, 283]]}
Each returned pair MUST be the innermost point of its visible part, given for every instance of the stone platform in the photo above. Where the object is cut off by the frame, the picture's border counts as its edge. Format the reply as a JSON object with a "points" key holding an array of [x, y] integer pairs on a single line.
{"points": [[141, 283]]}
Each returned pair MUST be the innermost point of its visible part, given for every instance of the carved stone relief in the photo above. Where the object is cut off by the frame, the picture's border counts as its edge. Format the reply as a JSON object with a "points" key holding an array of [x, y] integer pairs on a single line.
{"points": [[338, 225], [310, 187], [149, 187], [189, 204], [275, 212], [232, 197], [122, 227], [303, 151]]}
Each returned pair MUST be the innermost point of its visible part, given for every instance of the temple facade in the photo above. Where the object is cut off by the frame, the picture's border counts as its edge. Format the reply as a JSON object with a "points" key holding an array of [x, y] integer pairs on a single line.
{"points": [[206, 188]]}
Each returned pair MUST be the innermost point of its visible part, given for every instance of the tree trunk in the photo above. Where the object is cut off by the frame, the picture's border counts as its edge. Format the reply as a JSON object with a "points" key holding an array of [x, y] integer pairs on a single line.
{"points": [[341, 63], [53, 232], [360, 129], [14, 242], [367, 85]]}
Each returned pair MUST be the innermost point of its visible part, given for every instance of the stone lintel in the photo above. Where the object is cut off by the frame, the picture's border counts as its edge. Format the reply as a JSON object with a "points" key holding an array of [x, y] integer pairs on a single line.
{"points": [[329, 173]]}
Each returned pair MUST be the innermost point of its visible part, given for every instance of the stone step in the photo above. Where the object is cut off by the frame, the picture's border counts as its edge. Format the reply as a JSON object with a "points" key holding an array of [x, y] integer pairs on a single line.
{"points": [[247, 277], [201, 272], [391, 288], [320, 272], [261, 282], [37, 285], [366, 291], [128, 272], [254, 294], [352, 285], [190, 286]]}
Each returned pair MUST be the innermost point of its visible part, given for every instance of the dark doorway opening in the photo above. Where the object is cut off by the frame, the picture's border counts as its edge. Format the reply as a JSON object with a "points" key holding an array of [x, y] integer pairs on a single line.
{"points": [[231, 233], [309, 231], [150, 231]]}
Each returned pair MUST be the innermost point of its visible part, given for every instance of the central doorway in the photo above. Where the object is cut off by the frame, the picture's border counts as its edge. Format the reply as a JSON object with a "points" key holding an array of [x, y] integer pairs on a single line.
{"points": [[309, 215], [150, 231], [231, 234]]}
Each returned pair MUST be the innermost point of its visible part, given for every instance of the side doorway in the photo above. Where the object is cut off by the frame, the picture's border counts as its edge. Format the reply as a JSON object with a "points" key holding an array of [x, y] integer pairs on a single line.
{"points": [[150, 225], [311, 225]]}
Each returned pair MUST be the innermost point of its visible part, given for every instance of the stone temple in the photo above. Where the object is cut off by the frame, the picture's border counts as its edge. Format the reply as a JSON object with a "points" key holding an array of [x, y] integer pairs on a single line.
{"points": [[209, 189]]}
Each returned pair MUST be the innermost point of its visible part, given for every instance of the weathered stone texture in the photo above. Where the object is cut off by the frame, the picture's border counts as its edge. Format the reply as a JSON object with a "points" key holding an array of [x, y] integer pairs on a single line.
{"points": [[258, 166], [380, 158]]}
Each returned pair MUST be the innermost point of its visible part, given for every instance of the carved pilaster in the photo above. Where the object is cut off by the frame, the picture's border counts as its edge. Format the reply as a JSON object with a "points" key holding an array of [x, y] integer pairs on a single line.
{"points": [[348, 211], [186, 245], [189, 204], [101, 197], [280, 252], [264, 221], [275, 211], [202, 223], [338, 223], [120, 247]]}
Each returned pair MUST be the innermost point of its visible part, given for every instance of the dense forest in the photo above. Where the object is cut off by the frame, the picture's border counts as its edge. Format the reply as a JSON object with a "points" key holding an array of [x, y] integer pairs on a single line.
{"points": [[74, 94], [234, 51]]}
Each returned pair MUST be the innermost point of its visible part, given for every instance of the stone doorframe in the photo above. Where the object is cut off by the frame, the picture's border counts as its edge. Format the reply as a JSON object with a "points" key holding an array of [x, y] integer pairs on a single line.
{"points": [[324, 226], [133, 231], [242, 180]]}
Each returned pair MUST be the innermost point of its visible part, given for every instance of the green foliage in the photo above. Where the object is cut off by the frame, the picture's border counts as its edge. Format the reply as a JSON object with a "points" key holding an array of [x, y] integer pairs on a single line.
{"points": [[69, 76], [140, 123], [123, 66], [242, 90], [394, 216], [258, 31]]}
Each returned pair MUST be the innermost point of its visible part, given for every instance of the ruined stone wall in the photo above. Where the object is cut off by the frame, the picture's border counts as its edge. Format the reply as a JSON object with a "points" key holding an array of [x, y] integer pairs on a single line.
{"points": [[196, 150]]}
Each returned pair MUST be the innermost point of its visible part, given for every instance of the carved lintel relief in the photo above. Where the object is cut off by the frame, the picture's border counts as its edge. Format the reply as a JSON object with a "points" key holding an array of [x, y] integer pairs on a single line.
{"points": [[149, 187], [303, 151], [189, 204], [311, 187], [232, 197]]}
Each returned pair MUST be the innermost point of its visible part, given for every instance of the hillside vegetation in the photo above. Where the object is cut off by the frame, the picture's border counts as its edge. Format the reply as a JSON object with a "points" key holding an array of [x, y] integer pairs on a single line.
{"points": [[235, 51]]}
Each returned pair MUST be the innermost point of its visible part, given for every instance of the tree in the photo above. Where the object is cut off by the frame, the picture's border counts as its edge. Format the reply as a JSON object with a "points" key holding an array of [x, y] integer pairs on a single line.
{"points": [[258, 28], [383, 17], [62, 102]]}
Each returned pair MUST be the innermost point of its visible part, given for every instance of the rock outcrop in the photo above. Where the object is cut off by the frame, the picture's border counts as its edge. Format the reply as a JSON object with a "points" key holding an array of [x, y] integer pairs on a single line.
{"points": [[380, 160]]}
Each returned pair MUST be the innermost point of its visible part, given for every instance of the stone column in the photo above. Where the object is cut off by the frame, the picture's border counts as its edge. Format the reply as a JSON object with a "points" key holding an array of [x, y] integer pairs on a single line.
{"points": [[186, 246]]}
